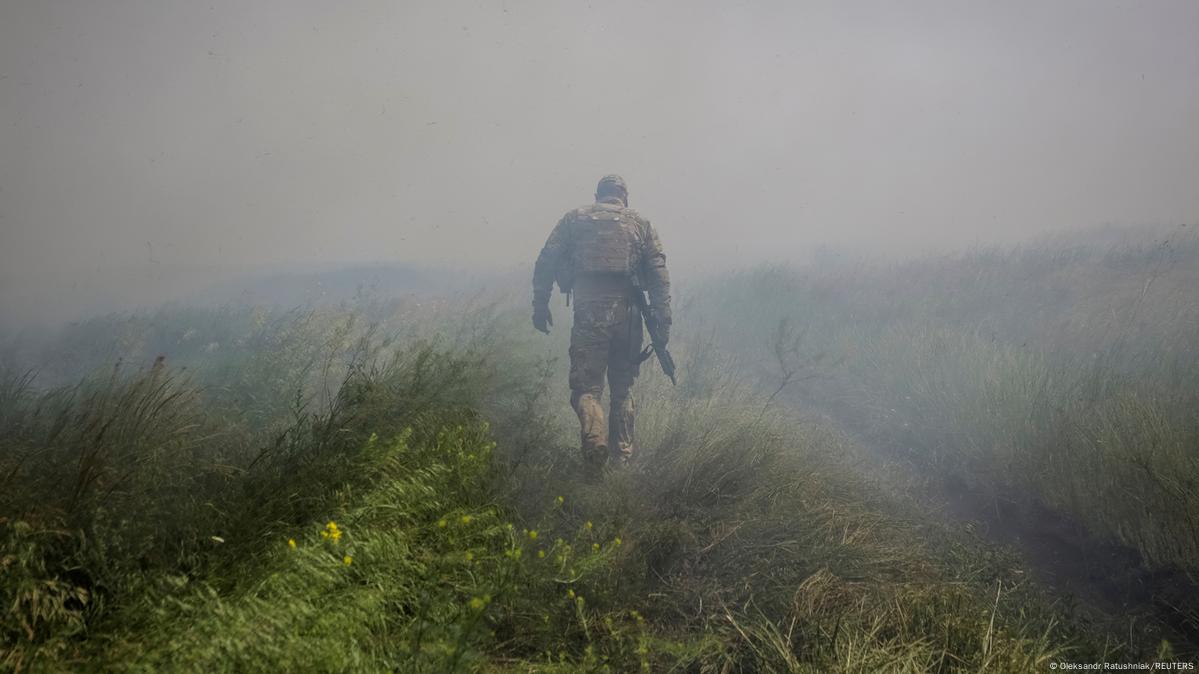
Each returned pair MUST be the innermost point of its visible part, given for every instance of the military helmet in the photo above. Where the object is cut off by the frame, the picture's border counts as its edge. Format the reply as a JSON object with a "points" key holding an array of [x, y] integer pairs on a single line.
{"points": [[611, 181], [612, 184]]}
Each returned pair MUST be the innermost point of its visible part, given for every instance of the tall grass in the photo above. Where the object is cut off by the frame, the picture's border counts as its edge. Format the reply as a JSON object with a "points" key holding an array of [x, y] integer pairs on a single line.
{"points": [[1062, 375], [134, 475], [742, 539]]}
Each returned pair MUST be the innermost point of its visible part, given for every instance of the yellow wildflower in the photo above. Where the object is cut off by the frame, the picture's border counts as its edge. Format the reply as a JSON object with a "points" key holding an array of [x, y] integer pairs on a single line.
{"points": [[560, 500], [587, 526], [441, 524], [470, 556], [595, 547], [541, 554], [476, 603], [570, 594], [291, 543], [616, 541], [347, 560], [533, 535], [466, 519], [332, 532]]}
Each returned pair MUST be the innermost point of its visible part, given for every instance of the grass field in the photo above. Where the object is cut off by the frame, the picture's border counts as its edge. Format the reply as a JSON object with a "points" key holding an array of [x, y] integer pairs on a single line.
{"points": [[392, 485], [1067, 375]]}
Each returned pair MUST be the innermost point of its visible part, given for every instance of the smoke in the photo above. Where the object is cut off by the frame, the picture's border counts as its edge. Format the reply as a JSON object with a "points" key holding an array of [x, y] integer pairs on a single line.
{"points": [[148, 147]]}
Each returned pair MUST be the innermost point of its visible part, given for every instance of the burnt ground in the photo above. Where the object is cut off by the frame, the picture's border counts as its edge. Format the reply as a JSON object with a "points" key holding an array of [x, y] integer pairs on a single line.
{"points": [[1104, 580], [1109, 585]]}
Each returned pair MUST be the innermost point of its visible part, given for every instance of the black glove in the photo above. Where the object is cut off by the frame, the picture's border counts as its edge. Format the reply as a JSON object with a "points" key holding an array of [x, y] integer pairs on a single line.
{"points": [[542, 319], [662, 322]]}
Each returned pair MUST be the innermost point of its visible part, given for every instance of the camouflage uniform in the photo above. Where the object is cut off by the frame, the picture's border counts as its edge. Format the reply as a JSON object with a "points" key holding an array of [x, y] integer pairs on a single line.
{"points": [[595, 252]]}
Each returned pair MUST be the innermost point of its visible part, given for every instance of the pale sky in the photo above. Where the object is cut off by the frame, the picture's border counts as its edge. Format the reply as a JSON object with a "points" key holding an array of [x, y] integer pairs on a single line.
{"points": [[163, 142]]}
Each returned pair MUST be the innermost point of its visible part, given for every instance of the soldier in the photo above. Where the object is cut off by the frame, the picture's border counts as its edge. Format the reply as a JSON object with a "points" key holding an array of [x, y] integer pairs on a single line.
{"points": [[600, 252]]}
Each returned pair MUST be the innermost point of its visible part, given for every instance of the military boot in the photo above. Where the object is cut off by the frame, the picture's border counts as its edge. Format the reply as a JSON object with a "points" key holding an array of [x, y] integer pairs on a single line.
{"points": [[595, 462]]}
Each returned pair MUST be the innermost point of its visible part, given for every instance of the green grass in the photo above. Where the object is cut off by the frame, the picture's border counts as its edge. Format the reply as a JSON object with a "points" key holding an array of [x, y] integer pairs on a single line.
{"points": [[146, 510], [740, 545], [1064, 376]]}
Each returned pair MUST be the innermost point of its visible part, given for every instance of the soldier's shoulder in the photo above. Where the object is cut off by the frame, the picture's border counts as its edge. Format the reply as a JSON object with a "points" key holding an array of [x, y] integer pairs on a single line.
{"points": [[570, 216], [636, 216], [641, 220]]}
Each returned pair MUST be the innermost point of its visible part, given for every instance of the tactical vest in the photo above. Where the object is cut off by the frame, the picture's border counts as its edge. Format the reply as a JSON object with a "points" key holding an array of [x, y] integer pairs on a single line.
{"points": [[606, 241]]}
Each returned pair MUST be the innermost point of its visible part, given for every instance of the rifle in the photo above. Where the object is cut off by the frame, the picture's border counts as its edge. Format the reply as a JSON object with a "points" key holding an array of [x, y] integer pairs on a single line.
{"points": [[657, 344]]}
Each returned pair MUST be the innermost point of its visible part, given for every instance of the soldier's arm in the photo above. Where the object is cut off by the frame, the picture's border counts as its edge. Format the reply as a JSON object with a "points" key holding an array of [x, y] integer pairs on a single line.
{"points": [[655, 278], [546, 269]]}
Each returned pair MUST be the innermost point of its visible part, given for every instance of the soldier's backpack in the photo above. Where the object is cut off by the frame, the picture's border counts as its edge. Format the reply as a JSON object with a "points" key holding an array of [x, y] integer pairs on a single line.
{"points": [[606, 241]]}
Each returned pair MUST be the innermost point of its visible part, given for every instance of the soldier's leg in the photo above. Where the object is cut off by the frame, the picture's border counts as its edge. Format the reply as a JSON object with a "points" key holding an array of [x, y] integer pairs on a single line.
{"points": [[588, 361], [624, 364], [622, 417]]}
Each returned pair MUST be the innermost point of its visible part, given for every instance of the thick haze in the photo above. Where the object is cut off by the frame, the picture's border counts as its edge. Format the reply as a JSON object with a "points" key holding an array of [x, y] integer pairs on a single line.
{"points": [[152, 147]]}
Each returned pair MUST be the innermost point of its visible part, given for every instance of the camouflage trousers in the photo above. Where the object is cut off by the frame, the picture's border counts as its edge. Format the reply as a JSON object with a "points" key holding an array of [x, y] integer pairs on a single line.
{"points": [[606, 337]]}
